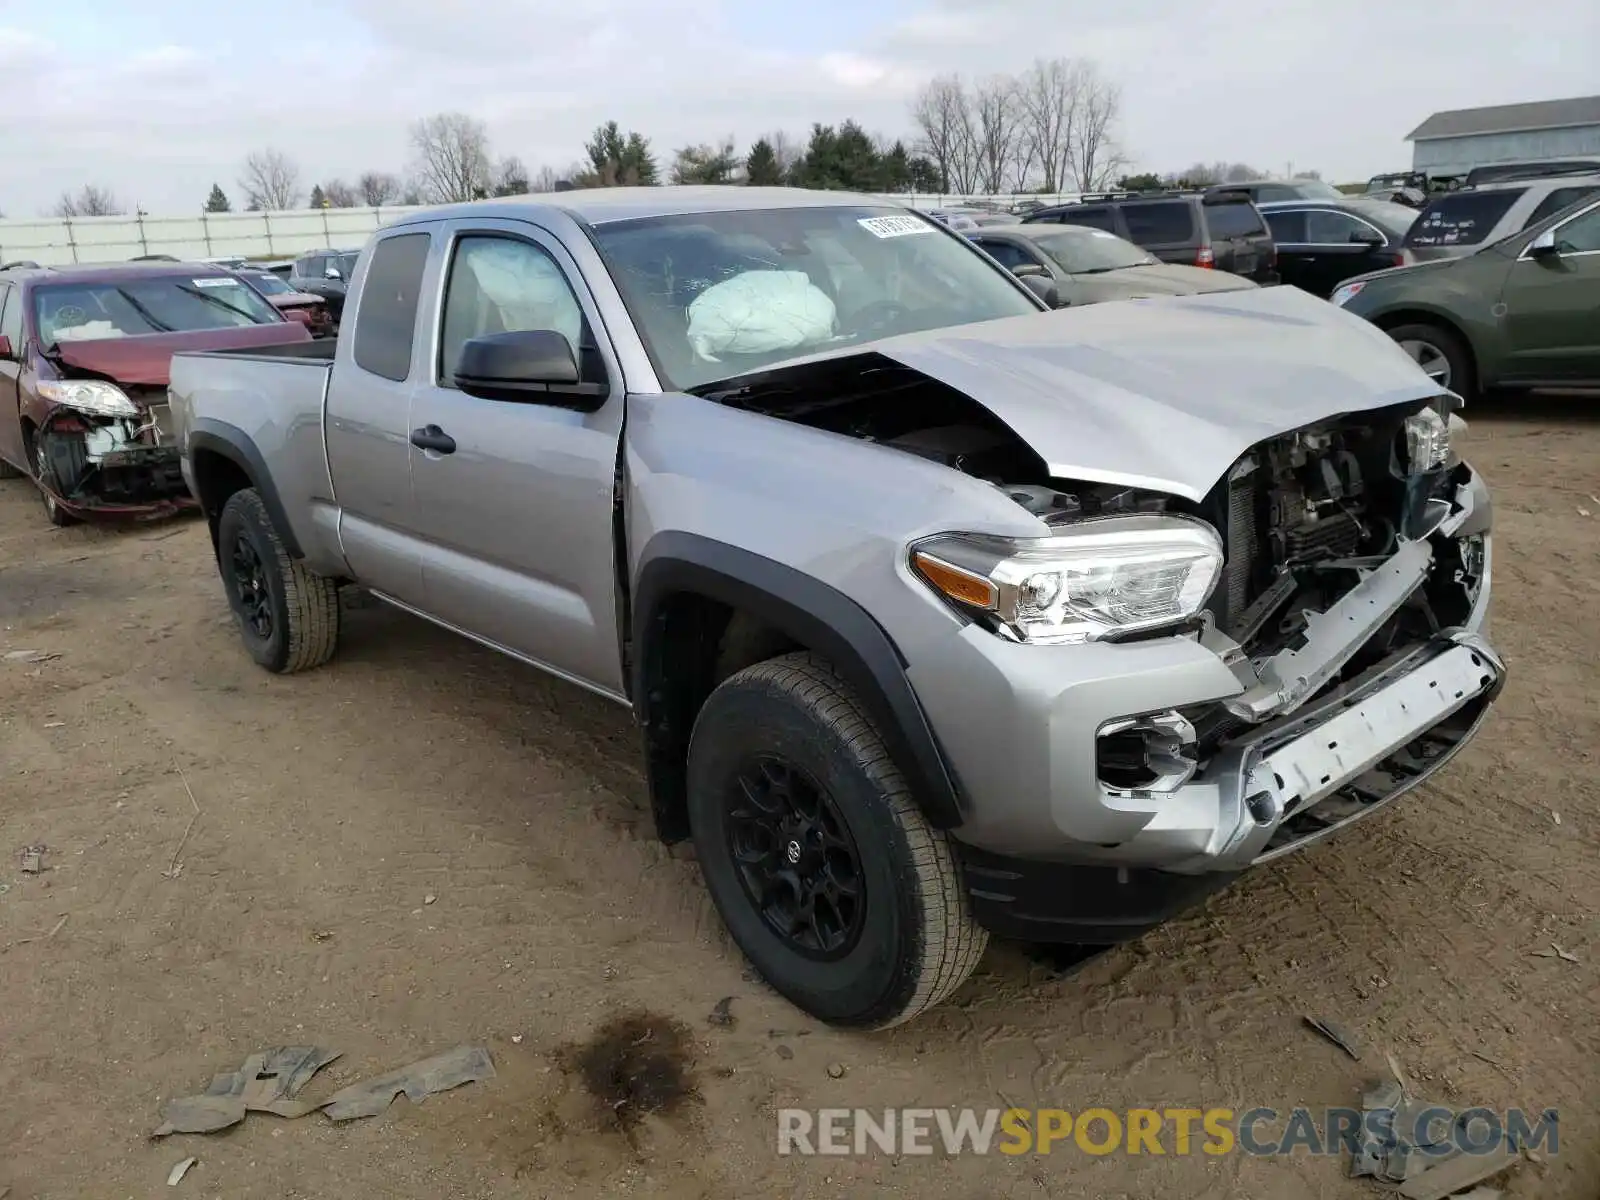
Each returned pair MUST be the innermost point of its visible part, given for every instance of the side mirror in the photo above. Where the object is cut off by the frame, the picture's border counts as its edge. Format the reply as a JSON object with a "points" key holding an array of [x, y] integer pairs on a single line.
{"points": [[527, 366], [1042, 287], [1544, 246], [332, 273], [1029, 271], [6, 352], [1366, 237]]}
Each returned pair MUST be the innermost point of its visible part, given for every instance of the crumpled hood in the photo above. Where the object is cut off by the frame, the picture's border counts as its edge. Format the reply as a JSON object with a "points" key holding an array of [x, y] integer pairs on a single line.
{"points": [[1167, 393]]}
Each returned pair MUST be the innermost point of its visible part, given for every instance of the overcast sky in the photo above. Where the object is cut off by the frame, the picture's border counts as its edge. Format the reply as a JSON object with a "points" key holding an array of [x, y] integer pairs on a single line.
{"points": [[157, 101]]}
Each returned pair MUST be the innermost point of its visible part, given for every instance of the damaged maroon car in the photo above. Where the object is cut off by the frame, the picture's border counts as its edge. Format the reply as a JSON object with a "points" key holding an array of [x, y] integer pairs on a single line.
{"points": [[84, 358]]}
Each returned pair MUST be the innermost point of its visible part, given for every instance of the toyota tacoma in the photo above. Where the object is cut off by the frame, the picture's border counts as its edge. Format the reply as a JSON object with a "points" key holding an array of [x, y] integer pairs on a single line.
{"points": [[942, 614]]}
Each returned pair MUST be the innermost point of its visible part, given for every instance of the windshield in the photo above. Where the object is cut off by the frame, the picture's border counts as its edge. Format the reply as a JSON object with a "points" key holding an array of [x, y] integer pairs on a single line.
{"points": [[269, 284], [136, 307], [718, 294], [1091, 251]]}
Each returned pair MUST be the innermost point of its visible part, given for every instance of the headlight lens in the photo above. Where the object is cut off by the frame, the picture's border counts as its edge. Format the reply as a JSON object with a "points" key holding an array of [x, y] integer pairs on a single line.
{"points": [[1427, 441], [1101, 577], [1345, 294], [89, 396]]}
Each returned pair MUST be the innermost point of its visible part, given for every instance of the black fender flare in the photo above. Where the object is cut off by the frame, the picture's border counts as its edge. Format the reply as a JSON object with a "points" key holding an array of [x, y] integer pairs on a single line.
{"points": [[813, 614], [237, 446]]}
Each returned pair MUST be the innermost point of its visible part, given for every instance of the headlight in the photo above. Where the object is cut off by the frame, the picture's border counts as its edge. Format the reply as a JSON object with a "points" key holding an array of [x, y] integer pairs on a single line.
{"points": [[89, 396], [1102, 577], [1427, 436], [1345, 294]]}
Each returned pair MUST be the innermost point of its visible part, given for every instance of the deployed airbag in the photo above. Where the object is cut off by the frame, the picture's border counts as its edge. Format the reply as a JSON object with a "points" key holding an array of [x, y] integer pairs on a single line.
{"points": [[760, 312]]}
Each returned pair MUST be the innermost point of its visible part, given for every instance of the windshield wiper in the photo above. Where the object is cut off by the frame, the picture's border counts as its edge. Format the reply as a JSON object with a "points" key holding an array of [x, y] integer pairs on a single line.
{"points": [[220, 303], [133, 303]]}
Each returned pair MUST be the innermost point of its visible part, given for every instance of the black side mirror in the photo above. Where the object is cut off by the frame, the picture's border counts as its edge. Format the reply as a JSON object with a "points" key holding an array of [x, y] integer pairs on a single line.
{"points": [[1366, 237], [1042, 287], [527, 366]]}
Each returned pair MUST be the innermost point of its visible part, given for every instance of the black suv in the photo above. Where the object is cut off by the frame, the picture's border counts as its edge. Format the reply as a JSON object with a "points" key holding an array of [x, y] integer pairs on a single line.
{"points": [[1224, 230]]}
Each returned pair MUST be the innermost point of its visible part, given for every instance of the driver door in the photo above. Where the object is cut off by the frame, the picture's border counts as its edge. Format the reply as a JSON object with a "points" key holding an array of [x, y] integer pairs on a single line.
{"points": [[1551, 306], [11, 447], [514, 500]]}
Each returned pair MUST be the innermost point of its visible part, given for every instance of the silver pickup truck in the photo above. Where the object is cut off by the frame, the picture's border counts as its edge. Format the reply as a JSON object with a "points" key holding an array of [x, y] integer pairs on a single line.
{"points": [[941, 613]]}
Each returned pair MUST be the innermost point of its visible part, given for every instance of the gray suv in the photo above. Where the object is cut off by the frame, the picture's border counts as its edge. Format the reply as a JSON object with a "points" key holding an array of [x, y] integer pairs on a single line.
{"points": [[1458, 223], [941, 613]]}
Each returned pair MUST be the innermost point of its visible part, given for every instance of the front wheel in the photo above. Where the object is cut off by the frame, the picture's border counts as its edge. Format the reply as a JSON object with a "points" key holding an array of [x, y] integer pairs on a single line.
{"points": [[1440, 353], [49, 485], [828, 876], [288, 615]]}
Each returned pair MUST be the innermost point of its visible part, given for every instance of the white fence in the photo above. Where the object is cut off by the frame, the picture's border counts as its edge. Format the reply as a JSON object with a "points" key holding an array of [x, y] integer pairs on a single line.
{"points": [[49, 241]]}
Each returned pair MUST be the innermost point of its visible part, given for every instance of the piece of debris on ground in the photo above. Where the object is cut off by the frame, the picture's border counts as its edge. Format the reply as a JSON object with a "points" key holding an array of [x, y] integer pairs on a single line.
{"points": [[270, 1081], [29, 656], [175, 1176], [1423, 1155], [1336, 1033], [1556, 951], [722, 1015], [32, 860], [441, 1073]]}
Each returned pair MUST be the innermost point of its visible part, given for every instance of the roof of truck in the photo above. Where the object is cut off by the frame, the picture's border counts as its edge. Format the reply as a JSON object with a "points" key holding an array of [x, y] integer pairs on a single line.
{"points": [[600, 205]]}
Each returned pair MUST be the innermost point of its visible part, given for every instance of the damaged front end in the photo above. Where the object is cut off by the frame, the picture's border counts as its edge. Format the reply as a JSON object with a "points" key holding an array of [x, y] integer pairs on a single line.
{"points": [[104, 450]]}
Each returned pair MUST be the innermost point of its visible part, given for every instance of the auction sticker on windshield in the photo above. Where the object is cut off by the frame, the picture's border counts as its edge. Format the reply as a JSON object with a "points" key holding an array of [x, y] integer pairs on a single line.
{"points": [[213, 281], [888, 227]]}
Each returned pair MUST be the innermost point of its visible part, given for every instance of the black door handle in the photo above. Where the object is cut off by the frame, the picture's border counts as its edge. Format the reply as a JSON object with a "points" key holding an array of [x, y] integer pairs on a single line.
{"points": [[431, 437]]}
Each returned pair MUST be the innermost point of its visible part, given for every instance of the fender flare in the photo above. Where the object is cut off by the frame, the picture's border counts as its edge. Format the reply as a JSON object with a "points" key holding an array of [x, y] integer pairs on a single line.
{"points": [[811, 613], [235, 445]]}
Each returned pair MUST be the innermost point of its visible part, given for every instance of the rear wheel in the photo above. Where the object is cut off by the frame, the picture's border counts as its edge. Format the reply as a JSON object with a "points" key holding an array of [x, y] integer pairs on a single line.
{"points": [[826, 873], [288, 615], [1441, 353]]}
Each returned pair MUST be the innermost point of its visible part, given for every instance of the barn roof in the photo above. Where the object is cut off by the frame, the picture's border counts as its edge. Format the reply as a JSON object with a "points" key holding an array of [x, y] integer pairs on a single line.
{"points": [[1509, 118]]}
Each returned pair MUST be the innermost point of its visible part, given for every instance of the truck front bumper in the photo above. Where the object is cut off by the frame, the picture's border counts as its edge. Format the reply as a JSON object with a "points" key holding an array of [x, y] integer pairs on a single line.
{"points": [[1049, 845]]}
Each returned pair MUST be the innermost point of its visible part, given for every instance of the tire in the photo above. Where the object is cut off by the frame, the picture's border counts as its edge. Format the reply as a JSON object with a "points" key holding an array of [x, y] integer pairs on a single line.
{"points": [[45, 476], [1462, 378], [907, 939], [288, 616]]}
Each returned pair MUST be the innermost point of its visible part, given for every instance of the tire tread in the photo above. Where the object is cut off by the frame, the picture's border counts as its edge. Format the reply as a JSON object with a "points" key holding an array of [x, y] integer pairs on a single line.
{"points": [[312, 600]]}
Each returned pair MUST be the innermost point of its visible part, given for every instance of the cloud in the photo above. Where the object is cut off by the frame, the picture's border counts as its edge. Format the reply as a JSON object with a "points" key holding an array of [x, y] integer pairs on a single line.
{"points": [[159, 103]]}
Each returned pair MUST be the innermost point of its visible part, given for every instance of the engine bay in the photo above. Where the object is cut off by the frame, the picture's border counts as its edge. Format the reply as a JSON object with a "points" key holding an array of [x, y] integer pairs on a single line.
{"points": [[95, 462]]}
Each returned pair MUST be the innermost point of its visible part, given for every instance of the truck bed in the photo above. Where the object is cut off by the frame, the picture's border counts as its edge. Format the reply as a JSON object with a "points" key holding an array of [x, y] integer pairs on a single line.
{"points": [[272, 399]]}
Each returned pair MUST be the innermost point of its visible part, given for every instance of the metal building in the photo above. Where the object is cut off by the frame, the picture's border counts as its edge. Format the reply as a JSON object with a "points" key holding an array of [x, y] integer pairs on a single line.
{"points": [[1448, 143]]}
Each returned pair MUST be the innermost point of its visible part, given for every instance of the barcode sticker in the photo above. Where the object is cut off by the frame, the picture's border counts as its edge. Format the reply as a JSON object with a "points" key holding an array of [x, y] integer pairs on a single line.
{"points": [[888, 227], [214, 281]]}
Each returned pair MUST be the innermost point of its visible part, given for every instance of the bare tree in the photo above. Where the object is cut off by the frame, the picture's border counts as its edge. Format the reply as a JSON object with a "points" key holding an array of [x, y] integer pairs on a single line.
{"points": [[378, 188], [452, 162], [1092, 146], [996, 114], [942, 112], [271, 180], [1049, 97], [786, 150], [340, 194], [90, 201]]}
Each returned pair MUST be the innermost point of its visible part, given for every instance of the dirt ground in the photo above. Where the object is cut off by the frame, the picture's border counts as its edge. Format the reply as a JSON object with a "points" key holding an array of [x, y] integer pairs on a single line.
{"points": [[424, 845]]}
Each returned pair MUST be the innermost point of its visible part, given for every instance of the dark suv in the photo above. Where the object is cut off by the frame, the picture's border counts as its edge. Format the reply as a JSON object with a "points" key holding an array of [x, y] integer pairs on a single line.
{"points": [[1224, 231], [325, 273]]}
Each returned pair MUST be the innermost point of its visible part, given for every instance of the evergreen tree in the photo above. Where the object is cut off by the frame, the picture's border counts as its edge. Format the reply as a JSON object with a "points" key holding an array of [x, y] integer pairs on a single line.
{"points": [[761, 168], [217, 201], [318, 200]]}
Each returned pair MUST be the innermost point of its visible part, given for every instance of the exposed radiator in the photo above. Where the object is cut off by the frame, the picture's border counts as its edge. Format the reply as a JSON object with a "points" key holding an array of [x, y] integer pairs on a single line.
{"points": [[1242, 544]]}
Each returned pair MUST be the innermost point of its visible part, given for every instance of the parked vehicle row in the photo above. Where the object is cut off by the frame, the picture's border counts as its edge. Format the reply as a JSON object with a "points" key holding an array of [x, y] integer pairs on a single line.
{"points": [[942, 613]]}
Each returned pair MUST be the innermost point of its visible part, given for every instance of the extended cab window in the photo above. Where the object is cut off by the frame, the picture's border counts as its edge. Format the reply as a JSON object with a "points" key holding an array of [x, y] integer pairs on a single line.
{"points": [[386, 323], [498, 285], [1461, 218], [1159, 224]]}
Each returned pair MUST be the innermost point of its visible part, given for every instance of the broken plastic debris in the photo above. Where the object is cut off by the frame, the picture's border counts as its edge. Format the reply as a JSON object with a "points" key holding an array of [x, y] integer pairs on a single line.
{"points": [[269, 1082], [1337, 1034], [32, 860], [175, 1176], [1556, 951], [465, 1064], [722, 1015], [29, 656]]}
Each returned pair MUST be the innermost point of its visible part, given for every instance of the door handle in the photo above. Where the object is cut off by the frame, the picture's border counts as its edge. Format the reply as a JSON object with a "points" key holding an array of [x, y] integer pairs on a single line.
{"points": [[431, 437]]}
